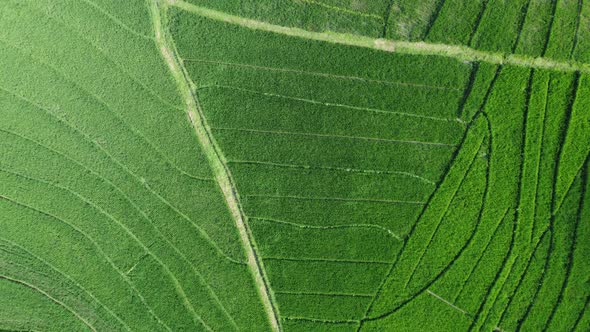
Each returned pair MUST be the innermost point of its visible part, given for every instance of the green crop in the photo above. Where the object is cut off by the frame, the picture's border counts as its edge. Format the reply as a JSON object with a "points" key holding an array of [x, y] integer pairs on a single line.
{"points": [[294, 165]]}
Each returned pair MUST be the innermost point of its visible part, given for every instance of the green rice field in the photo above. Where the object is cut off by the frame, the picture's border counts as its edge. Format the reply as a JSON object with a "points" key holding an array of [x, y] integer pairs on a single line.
{"points": [[294, 165]]}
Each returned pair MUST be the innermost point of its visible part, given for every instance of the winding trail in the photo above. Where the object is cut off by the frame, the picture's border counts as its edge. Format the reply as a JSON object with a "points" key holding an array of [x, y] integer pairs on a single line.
{"points": [[217, 160]]}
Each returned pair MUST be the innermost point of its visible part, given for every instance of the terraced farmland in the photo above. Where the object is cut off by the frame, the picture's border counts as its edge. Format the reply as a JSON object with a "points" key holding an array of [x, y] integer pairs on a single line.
{"points": [[294, 165]]}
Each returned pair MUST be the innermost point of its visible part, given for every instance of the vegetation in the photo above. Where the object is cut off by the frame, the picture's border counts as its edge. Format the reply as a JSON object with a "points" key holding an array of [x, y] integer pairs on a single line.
{"points": [[278, 165]]}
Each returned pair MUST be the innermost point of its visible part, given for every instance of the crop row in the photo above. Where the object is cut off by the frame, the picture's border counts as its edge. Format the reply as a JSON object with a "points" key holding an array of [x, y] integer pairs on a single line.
{"points": [[461, 265], [333, 213], [311, 183], [223, 42], [373, 98], [555, 29], [541, 247], [365, 17], [241, 109], [466, 178]]}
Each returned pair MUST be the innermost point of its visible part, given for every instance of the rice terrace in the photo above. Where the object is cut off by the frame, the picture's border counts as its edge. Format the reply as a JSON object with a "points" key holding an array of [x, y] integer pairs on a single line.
{"points": [[295, 165]]}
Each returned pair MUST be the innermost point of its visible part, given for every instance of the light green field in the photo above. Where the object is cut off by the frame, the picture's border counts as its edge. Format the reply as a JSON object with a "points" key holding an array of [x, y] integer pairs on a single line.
{"points": [[294, 165]]}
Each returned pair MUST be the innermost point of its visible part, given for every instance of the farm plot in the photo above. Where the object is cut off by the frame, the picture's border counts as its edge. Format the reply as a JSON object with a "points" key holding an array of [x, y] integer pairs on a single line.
{"points": [[515, 269], [166, 167], [481, 241], [104, 191], [308, 142]]}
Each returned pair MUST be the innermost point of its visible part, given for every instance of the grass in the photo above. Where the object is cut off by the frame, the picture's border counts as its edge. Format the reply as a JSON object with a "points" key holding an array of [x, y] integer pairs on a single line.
{"points": [[281, 165]]}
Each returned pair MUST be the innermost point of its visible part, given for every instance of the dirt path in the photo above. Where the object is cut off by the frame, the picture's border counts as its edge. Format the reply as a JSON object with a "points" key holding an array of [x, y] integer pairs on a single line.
{"points": [[214, 155], [463, 53]]}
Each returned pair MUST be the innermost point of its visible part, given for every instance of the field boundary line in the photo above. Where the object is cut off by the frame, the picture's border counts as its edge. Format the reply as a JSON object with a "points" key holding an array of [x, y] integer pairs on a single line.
{"points": [[320, 227], [581, 314], [561, 201], [339, 199], [462, 53], [175, 281], [335, 136], [327, 103], [303, 293], [116, 20], [51, 298], [98, 249], [467, 90], [214, 155], [325, 260], [332, 168], [321, 74], [440, 298], [66, 277], [322, 321], [524, 13]]}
